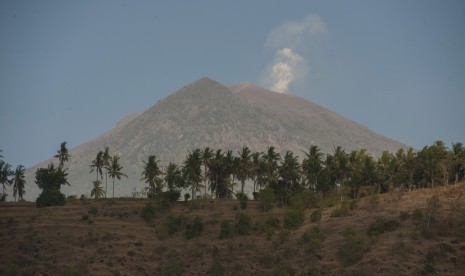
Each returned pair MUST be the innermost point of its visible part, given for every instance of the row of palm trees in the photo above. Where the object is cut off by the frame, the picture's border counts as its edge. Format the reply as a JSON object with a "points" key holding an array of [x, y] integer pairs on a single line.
{"points": [[15, 178], [104, 161], [217, 173]]}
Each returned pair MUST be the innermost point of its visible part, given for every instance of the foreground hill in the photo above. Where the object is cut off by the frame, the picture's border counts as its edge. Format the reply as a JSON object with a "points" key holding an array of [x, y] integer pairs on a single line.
{"points": [[109, 237], [206, 113]]}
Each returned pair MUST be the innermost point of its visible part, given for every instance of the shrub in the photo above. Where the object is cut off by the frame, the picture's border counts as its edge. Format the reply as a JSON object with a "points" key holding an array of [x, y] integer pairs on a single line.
{"points": [[316, 215], [417, 214], [305, 199], [242, 200], [381, 226], [93, 210], [293, 218], [353, 248], [432, 208], [172, 224], [186, 197], [404, 216], [194, 229], [165, 199], [266, 198], [313, 239], [225, 229], [341, 211], [148, 212], [243, 223], [50, 197]]}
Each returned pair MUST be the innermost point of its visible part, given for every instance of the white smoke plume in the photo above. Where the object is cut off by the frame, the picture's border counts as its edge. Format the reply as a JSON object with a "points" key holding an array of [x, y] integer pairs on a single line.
{"points": [[289, 66]]}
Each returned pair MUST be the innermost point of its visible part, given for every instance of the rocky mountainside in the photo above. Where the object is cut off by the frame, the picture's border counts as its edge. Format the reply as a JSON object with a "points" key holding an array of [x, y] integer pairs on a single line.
{"points": [[207, 113]]}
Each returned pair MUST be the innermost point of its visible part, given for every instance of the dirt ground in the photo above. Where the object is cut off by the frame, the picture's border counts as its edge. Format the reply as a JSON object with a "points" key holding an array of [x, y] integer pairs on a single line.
{"points": [[109, 237]]}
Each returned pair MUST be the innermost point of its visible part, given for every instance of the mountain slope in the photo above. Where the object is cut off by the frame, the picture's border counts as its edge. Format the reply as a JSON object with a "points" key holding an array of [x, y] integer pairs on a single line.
{"points": [[206, 113]]}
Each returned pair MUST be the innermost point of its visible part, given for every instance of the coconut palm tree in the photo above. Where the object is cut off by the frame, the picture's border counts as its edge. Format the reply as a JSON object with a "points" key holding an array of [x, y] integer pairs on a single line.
{"points": [[244, 168], [5, 173], [63, 155], [19, 182], [97, 191], [151, 175], [207, 155], [106, 157], [290, 174], [192, 171], [271, 158], [173, 177], [312, 166], [115, 171], [97, 165]]}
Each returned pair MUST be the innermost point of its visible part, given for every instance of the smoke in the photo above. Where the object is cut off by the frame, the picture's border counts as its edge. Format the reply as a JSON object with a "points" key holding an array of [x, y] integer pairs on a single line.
{"points": [[286, 40]]}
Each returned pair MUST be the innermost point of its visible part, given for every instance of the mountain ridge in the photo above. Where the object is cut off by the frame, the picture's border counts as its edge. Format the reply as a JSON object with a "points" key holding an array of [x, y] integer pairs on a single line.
{"points": [[207, 113]]}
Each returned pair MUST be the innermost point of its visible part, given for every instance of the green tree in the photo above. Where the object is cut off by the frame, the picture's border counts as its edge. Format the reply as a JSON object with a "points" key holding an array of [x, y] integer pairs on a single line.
{"points": [[429, 159], [312, 166], [5, 173], [19, 182], [207, 155], [244, 169], [290, 175], [50, 180], [271, 158], [97, 191], [63, 155], [173, 177], [97, 165], [458, 161], [106, 158], [192, 171], [151, 175], [115, 171]]}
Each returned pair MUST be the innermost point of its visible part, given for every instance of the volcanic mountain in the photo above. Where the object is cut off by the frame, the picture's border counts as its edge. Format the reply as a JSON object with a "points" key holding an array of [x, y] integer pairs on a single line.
{"points": [[207, 113]]}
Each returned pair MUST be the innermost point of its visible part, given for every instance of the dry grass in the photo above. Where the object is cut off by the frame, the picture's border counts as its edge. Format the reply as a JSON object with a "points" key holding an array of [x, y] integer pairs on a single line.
{"points": [[109, 237]]}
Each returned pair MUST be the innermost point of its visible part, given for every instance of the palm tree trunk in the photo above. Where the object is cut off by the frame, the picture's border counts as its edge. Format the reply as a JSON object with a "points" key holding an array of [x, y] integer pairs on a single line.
{"points": [[242, 188], [113, 187], [106, 182]]}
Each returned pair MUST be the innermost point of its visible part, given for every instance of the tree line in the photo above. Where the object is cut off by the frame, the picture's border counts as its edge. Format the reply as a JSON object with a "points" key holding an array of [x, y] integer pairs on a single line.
{"points": [[224, 174]]}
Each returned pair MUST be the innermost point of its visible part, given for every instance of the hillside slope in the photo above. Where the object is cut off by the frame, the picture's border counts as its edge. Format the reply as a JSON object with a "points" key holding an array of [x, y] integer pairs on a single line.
{"points": [[206, 113], [109, 237]]}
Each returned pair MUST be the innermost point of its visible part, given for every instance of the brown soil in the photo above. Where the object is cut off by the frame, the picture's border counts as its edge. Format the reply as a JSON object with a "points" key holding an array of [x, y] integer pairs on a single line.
{"points": [[109, 237]]}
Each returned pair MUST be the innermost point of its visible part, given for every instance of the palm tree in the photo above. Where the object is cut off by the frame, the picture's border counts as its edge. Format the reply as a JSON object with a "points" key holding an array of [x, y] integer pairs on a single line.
{"points": [[97, 191], [207, 155], [173, 177], [271, 159], [290, 174], [63, 155], [19, 182], [114, 171], [312, 166], [192, 171], [5, 173], [244, 169], [151, 175], [458, 161], [97, 165], [106, 157]]}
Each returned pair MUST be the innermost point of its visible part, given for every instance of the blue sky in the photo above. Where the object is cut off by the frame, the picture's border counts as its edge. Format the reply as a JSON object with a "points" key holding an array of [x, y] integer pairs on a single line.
{"points": [[69, 70]]}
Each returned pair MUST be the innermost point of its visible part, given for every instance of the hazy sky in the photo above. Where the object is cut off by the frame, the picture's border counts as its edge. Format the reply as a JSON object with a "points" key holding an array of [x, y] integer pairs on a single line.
{"points": [[69, 70]]}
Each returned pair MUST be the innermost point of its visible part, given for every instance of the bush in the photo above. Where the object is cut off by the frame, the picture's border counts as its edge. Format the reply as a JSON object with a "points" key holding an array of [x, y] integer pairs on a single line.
{"points": [[293, 218], [316, 215], [242, 200], [194, 229], [417, 214], [243, 223], [51, 197], [266, 198], [305, 199], [93, 210], [148, 212], [165, 199], [313, 239], [381, 226], [172, 224], [353, 248], [225, 229], [342, 211], [404, 216]]}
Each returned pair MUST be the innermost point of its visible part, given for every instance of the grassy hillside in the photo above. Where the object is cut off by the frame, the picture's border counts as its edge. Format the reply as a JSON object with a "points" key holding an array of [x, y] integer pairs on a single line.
{"points": [[380, 234]]}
